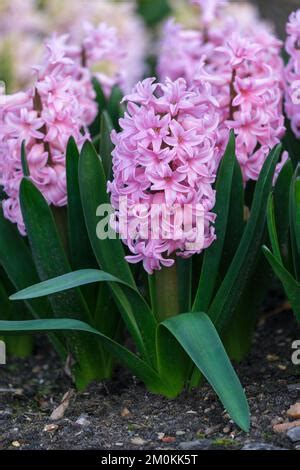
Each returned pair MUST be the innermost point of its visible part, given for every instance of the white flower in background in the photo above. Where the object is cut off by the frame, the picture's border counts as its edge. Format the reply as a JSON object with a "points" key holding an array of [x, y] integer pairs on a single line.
{"points": [[24, 26]]}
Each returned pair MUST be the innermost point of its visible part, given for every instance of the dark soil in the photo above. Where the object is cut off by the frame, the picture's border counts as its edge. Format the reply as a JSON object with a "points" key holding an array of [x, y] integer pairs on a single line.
{"points": [[120, 414]]}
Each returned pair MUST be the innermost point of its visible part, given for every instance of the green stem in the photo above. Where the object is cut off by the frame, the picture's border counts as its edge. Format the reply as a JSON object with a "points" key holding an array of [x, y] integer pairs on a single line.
{"points": [[19, 346], [166, 286]]}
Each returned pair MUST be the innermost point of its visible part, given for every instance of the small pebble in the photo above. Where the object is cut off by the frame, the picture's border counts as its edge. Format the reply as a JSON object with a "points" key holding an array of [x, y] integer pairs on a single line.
{"points": [[198, 444], [293, 387], [168, 439], [138, 441], [82, 421], [16, 444], [260, 446], [125, 413], [283, 427], [50, 427], [294, 434], [211, 430], [294, 411], [272, 358]]}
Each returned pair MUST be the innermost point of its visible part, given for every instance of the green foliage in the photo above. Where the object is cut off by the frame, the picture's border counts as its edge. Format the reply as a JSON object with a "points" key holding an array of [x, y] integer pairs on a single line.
{"points": [[153, 12], [168, 349], [289, 275]]}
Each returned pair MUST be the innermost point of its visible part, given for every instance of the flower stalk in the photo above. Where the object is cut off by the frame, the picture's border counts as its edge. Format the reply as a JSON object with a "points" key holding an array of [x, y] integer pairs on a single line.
{"points": [[166, 287]]}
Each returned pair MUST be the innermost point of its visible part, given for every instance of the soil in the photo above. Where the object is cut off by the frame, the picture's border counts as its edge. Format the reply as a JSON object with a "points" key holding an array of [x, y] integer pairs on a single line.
{"points": [[121, 414]]}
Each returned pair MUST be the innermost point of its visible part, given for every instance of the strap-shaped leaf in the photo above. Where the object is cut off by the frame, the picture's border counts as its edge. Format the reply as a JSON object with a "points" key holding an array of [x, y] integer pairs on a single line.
{"points": [[291, 143], [198, 337], [81, 253], [94, 128], [25, 167], [93, 189], [51, 261], [106, 145], [281, 204], [272, 228], [114, 106], [21, 271], [19, 268], [248, 251], [66, 281], [46, 246], [291, 286], [297, 215], [110, 255], [140, 368], [295, 221], [213, 255]]}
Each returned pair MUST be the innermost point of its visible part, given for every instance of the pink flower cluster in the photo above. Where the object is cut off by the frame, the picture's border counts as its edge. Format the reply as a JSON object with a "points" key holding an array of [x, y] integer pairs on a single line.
{"points": [[292, 72], [165, 157], [24, 25], [59, 105], [248, 87], [245, 71], [105, 55]]}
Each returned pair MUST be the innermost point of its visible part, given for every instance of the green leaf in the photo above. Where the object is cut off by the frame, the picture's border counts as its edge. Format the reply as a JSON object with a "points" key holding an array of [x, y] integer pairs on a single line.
{"points": [[106, 145], [22, 345], [46, 247], [153, 12], [22, 272], [228, 295], [100, 96], [291, 286], [25, 167], [81, 253], [295, 220], [291, 143], [236, 221], [64, 282], [198, 337], [281, 204], [272, 228], [101, 103], [111, 256], [140, 368], [93, 189], [213, 255], [51, 261], [20, 269], [114, 106]]}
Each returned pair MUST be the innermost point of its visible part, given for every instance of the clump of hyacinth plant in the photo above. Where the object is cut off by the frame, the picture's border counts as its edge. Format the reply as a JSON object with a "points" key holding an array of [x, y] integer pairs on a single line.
{"points": [[292, 86], [36, 126], [166, 154], [241, 61], [284, 221], [60, 104], [245, 70]]}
